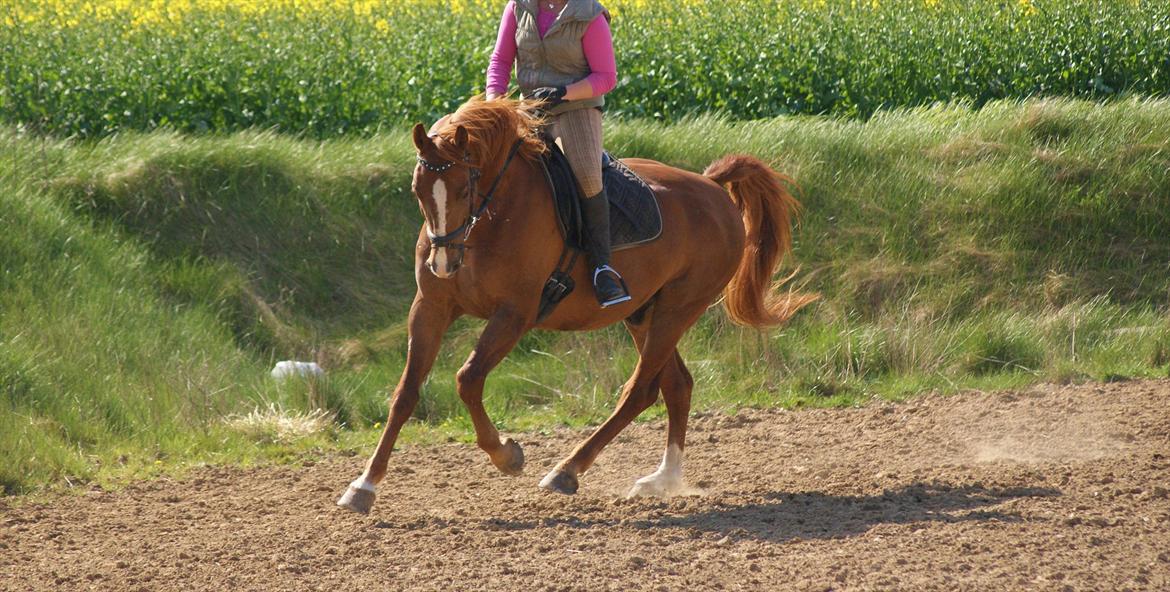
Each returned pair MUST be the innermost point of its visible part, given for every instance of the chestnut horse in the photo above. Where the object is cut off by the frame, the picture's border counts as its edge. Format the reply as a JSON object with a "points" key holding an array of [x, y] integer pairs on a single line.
{"points": [[490, 241]]}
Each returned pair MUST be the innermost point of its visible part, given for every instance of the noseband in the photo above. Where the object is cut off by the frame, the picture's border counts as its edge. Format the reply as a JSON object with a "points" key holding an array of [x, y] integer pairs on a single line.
{"points": [[473, 213]]}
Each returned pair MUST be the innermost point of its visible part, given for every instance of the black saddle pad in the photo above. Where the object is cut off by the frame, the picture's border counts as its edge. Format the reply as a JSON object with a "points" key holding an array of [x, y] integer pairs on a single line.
{"points": [[634, 217]]}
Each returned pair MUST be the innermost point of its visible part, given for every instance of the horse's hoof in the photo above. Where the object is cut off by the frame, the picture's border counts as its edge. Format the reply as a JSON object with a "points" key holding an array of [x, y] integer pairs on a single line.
{"points": [[514, 458], [560, 481], [358, 500]]}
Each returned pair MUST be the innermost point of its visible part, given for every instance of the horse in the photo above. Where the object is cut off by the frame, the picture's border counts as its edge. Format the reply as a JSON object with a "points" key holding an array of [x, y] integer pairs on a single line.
{"points": [[490, 240]]}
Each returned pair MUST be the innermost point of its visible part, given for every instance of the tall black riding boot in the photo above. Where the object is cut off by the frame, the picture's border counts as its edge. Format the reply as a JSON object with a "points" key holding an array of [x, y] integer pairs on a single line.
{"points": [[607, 283]]}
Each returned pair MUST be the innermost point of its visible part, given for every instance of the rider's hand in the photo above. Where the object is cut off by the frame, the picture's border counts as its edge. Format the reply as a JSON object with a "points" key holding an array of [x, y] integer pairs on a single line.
{"points": [[551, 96]]}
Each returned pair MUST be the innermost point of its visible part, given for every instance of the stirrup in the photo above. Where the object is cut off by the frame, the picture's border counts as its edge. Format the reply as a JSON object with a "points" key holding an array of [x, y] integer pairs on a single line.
{"points": [[625, 295]]}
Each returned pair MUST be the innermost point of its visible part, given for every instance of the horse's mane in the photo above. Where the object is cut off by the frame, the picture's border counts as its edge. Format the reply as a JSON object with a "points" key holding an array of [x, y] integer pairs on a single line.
{"points": [[492, 126]]}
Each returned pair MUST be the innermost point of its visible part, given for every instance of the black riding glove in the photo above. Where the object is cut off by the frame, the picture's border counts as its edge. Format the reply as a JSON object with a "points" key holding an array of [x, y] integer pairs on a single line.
{"points": [[551, 96]]}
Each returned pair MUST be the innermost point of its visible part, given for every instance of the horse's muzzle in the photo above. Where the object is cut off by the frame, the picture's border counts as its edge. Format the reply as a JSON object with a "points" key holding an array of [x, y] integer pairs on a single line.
{"points": [[444, 261]]}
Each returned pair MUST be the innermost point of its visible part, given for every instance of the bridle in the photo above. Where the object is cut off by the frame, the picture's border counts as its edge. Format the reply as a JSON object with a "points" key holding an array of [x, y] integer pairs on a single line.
{"points": [[473, 213]]}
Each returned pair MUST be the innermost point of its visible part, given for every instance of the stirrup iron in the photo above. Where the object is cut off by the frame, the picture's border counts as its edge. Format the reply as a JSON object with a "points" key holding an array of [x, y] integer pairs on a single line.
{"points": [[625, 295]]}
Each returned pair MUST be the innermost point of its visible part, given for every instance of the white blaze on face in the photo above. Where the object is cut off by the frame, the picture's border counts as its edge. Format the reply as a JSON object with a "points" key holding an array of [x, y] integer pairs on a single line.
{"points": [[439, 255]]}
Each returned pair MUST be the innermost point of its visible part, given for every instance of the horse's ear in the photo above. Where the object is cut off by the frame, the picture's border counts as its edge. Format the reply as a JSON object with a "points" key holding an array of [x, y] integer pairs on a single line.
{"points": [[461, 138], [421, 140]]}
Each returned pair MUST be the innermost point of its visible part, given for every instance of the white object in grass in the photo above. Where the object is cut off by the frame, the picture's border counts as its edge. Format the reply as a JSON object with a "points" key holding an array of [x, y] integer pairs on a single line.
{"points": [[288, 368]]}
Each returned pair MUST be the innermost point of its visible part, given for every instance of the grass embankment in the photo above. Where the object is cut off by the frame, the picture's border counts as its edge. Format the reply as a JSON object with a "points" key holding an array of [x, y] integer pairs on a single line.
{"points": [[150, 281]]}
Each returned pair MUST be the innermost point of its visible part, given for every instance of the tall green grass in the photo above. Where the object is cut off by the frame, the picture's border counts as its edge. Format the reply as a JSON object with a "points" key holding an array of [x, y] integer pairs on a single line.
{"points": [[337, 67], [149, 281]]}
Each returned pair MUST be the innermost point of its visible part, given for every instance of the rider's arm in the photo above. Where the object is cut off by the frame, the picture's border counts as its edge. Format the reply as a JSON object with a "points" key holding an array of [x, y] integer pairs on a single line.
{"points": [[499, 72], [598, 45]]}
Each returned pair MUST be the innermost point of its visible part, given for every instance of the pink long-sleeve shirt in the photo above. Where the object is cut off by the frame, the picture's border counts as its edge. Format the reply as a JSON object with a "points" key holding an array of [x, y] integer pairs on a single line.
{"points": [[597, 44]]}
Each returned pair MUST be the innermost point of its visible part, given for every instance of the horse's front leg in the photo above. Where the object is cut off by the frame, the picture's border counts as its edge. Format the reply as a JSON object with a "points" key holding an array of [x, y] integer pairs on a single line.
{"points": [[427, 323], [503, 331]]}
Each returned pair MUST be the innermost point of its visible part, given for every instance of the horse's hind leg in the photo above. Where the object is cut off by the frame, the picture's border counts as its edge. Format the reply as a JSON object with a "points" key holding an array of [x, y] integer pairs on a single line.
{"points": [[657, 350], [502, 333], [677, 385]]}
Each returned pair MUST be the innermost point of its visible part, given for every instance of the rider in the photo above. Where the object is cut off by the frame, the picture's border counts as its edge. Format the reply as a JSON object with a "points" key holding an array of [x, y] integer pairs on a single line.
{"points": [[563, 51]]}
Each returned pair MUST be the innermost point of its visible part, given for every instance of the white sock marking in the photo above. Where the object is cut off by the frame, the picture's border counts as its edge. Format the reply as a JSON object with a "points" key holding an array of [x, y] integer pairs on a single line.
{"points": [[671, 466], [667, 480], [363, 483]]}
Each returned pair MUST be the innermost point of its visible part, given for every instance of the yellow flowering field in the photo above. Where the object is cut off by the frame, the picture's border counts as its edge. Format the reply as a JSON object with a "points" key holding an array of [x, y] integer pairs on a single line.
{"points": [[330, 67]]}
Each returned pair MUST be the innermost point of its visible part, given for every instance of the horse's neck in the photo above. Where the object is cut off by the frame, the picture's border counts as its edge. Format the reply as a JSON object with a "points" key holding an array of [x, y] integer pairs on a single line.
{"points": [[522, 211], [524, 200]]}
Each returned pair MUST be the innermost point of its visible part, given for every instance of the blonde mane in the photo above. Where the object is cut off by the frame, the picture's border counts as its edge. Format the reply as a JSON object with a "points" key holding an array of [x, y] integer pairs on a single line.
{"points": [[492, 126]]}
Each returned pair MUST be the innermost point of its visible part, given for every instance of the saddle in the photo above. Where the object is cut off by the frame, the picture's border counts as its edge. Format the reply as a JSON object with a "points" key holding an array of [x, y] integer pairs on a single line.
{"points": [[634, 216]]}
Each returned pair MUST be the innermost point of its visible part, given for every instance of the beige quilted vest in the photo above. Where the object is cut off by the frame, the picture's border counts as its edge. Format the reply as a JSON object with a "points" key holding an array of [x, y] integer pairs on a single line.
{"points": [[556, 60]]}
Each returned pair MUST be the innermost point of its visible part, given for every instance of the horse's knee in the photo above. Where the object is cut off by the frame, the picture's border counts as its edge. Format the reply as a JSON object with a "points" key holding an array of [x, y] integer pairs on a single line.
{"points": [[467, 379]]}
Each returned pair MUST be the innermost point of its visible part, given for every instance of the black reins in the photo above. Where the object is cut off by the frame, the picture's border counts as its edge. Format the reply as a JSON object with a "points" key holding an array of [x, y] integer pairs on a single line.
{"points": [[473, 213]]}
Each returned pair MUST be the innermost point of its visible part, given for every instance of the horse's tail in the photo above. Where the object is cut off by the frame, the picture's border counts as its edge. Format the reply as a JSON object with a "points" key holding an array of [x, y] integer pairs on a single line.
{"points": [[768, 211]]}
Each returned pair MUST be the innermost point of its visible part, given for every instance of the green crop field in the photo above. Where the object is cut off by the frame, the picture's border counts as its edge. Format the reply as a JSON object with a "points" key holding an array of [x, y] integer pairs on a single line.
{"points": [[191, 191], [335, 67]]}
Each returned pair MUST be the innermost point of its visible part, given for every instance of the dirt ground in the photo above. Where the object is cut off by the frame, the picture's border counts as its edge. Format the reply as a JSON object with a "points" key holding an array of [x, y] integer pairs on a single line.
{"points": [[1053, 488]]}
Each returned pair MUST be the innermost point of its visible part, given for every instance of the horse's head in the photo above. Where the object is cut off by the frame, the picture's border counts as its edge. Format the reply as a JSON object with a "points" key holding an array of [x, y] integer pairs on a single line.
{"points": [[480, 136], [445, 188]]}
